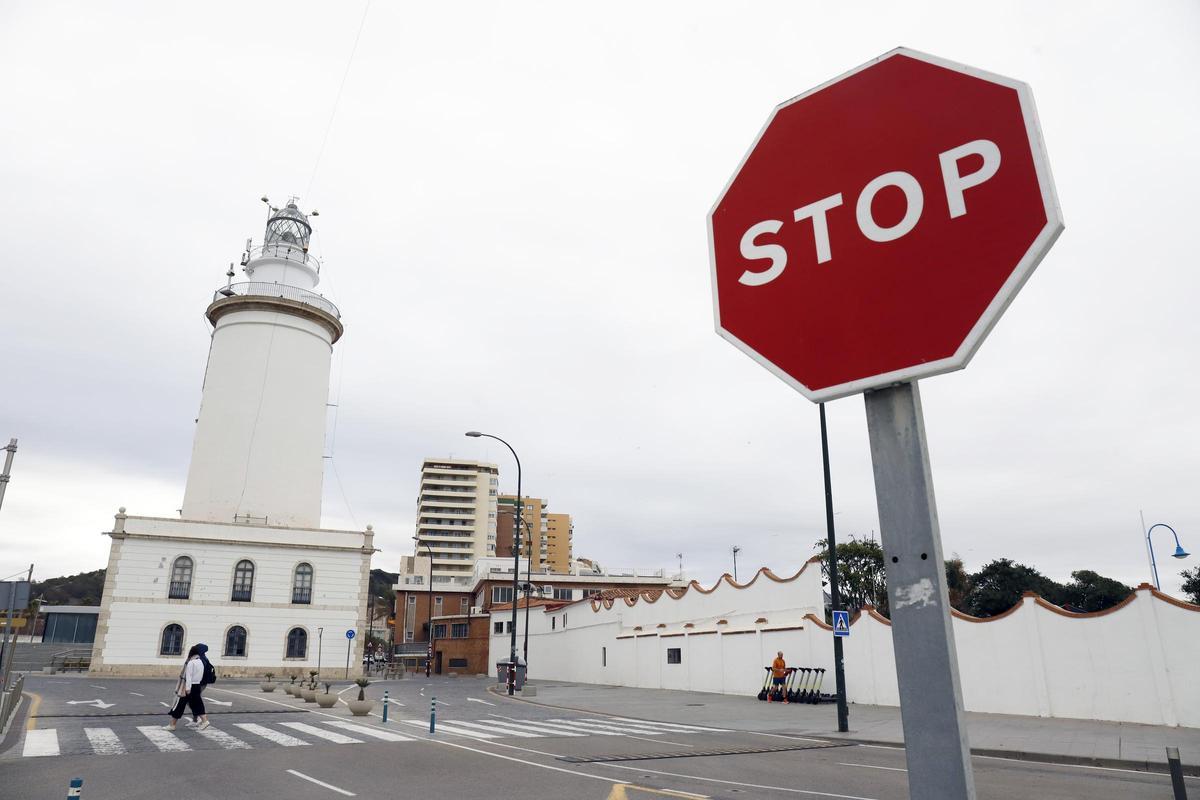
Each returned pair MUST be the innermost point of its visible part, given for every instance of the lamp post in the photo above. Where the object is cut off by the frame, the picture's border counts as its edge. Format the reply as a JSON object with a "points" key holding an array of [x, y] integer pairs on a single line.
{"points": [[428, 606], [512, 657], [736, 550], [1179, 551], [528, 592]]}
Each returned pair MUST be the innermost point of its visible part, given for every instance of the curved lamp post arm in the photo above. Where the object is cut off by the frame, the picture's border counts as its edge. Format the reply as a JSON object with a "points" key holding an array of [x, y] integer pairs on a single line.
{"points": [[1179, 551]]}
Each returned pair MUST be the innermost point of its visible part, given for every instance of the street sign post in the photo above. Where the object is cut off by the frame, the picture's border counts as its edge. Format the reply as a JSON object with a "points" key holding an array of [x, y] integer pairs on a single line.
{"points": [[841, 623], [873, 234], [349, 641]]}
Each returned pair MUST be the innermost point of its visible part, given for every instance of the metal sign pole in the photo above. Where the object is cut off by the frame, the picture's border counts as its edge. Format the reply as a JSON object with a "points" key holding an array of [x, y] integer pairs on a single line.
{"points": [[835, 598], [931, 708]]}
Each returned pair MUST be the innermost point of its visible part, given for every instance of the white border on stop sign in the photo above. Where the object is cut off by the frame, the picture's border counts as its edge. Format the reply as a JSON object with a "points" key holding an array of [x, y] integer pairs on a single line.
{"points": [[991, 315]]}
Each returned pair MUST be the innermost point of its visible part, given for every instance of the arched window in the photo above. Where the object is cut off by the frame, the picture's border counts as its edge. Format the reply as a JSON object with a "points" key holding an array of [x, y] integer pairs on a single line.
{"points": [[302, 583], [172, 641], [181, 579], [297, 643], [243, 580], [235, 641]]}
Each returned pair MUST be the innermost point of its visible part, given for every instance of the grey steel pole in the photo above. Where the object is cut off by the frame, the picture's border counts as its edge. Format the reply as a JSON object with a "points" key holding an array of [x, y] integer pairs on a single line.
{"points": [[10, 451], [1176, 770], [835, 598], [429, 613], [512, 653], [320, 635], [931, 708], [528, 590]]}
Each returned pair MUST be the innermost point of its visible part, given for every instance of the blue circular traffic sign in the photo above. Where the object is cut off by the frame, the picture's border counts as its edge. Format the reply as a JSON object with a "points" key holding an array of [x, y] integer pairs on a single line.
{"points": [[350, 634]]}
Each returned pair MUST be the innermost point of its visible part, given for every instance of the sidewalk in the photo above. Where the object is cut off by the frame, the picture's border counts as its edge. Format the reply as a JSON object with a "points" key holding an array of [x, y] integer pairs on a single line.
{"points": [[1069, 741]]}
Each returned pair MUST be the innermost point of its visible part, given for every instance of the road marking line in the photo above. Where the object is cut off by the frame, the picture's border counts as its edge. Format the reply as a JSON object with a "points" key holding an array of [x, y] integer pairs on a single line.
{"points": [[94, 686], [500, 728], [870, 766], [227, 741], [104, 742], [42, 742], [137, 694], [444, 743], [163, 739], [797, 738], [274, 736], [740, 783], [348, 688], [31, 722], [676, 725], [541, 727], [328, 786], [587, 725], [477, 700], [363, 730], [312, 730], [447, 728], [589, 731]]}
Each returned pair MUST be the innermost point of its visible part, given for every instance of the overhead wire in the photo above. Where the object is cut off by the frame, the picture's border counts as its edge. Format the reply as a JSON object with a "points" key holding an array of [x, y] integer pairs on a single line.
{"points": [[338, 98]]}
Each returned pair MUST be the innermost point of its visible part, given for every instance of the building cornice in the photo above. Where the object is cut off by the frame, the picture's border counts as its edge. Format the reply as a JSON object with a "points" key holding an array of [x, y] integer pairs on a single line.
{"points": [[226, 305]]}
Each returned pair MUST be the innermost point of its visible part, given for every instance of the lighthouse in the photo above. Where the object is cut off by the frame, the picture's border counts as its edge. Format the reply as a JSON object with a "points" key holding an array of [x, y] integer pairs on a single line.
{"points": [[246, 568], [260, 435]]}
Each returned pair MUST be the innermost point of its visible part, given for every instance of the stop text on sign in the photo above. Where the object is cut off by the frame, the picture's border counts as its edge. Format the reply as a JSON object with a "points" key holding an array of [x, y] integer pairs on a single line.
{"points": [[955, 183]]}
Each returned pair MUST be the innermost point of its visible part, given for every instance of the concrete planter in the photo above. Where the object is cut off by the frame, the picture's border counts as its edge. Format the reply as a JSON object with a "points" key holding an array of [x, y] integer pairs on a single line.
{"points": [[291, 689], [309, 695], [267, 686], [360, 708], [326, 700]]}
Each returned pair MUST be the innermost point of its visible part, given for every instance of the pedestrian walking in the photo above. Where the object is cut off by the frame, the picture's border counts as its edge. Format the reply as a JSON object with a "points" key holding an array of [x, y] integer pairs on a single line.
{"points": [[188, 689]]}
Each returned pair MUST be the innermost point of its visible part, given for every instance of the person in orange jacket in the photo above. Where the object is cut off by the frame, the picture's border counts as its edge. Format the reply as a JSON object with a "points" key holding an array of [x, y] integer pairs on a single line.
{"points": [[778, 677]]}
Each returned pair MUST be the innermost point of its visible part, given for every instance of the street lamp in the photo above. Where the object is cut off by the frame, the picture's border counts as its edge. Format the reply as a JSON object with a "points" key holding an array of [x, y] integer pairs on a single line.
{"points": [[736, 550], [512, 657], [1179, 551], [428, 607]]}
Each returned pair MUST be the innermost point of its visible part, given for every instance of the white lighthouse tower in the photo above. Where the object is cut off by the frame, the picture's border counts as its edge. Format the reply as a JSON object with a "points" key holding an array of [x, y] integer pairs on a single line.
{"points": [[246, 568], [261, 431]]}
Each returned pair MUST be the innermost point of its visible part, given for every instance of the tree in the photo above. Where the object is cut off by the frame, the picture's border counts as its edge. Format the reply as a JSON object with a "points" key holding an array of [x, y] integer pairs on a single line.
{"points": [[1088, 591], [999, 585], [862, 579], [1191, 584], [958, 583]]}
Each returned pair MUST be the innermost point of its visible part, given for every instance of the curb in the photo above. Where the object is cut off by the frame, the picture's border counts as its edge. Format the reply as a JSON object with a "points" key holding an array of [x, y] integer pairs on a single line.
{"points": [[984, 752]]}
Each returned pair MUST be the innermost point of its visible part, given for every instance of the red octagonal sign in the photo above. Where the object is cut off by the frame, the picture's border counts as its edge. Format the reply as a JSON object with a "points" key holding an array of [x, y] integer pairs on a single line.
{"points": [[881, 223]]}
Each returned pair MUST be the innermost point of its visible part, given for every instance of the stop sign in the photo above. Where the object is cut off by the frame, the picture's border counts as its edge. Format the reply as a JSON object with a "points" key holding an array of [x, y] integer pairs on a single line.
{"points": [[881, 223]]}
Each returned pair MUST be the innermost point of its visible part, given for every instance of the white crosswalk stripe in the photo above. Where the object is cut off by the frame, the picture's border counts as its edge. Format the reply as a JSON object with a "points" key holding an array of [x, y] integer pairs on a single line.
{"points": [[585, 725], [271, 735], [537, 726], [104, 742], [499, 728], [42, 742], [164, 739], [446, 727], [363, 730], [227, 741], [672, 725], [320, 733]]}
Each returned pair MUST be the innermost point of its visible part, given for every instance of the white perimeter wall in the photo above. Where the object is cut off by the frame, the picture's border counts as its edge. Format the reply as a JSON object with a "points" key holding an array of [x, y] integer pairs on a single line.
{"points": [[135, 607], [1135, 663]]}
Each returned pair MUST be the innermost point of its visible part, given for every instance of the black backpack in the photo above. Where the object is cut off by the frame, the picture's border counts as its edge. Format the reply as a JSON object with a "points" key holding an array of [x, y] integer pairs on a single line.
{"points": [[210, 672]]}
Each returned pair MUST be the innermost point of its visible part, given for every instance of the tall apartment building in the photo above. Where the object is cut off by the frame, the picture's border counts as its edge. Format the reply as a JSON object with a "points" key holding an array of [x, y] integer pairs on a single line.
{"points": [[456, 515], [548, 536]]}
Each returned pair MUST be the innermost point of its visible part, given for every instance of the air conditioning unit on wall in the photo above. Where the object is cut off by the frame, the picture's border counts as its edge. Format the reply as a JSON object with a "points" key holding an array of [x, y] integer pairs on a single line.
{"points": [[476, 611]]}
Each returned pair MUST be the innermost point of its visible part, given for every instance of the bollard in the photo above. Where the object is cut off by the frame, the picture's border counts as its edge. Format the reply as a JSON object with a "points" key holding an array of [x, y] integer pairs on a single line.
{"points": [[1176, 773], [432, 713], [385, 704], [76, 789]]}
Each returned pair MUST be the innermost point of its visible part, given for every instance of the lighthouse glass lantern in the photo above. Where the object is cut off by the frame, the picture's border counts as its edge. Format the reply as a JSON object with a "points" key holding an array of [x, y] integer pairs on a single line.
{"points": [[288, 227]]}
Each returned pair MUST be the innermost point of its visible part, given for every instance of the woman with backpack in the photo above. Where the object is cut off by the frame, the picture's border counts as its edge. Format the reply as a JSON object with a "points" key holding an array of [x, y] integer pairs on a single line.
{"points": [[187, 690]]}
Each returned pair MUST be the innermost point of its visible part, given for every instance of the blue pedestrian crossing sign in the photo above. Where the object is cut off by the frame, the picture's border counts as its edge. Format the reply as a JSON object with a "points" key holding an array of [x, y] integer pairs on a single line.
{"points": [[350, 634], [841, 623]]}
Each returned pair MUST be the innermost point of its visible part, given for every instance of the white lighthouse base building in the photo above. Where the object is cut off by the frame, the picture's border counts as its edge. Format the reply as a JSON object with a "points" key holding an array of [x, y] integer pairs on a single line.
{"points": [[292, 621]]}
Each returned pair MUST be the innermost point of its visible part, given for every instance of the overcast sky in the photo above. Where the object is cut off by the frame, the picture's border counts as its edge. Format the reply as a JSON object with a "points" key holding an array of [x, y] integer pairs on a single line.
{"points": [[513, 200]]}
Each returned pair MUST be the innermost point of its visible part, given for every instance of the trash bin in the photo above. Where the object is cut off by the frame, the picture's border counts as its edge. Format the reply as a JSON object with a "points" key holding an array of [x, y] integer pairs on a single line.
{"points": [[502, 674]]}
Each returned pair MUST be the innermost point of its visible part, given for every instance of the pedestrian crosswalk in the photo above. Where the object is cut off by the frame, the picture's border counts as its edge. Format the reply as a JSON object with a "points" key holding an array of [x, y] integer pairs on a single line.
{"points": [[105, 741]]}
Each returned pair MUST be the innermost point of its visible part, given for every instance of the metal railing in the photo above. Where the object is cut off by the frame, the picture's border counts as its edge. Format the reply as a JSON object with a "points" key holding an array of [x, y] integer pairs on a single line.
{"points": [[300, 595], [241, 595], [285, 250], [180, 590], [281, 290]]}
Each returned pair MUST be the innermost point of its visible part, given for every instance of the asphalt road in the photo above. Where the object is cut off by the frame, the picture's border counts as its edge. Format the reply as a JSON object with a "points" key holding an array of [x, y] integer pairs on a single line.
{"points": [[107, 732]]}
